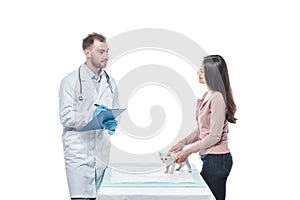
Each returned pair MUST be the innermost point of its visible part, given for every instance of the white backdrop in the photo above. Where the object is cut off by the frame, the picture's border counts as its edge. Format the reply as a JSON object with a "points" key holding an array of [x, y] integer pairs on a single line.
{"points": [[41, 42]]}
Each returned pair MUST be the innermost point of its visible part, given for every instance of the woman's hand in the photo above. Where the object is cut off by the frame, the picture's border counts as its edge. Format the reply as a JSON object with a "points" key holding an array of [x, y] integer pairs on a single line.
{"points": [[177, 147], [182, 156]]}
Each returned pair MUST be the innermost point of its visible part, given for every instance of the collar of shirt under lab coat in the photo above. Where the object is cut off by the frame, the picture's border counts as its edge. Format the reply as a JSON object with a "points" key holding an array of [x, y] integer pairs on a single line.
{"points": [[92, 75]]}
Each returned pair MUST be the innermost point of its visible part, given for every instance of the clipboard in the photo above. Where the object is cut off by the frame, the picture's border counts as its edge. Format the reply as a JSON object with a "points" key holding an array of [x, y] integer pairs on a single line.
{"points": [[97, 122]]}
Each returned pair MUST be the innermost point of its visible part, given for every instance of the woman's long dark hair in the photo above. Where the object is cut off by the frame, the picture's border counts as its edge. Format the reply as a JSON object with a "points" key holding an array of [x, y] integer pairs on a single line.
{"points": [[217, 79]]}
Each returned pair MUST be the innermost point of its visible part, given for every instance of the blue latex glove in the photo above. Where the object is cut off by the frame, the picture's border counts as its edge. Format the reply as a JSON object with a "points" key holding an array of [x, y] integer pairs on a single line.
{"points": [[111, 124], [99, 109]]}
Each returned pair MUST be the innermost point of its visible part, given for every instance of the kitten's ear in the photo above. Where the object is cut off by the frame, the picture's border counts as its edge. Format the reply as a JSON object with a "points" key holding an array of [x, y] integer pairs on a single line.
{"points": [[159, 153], [168, 154]]}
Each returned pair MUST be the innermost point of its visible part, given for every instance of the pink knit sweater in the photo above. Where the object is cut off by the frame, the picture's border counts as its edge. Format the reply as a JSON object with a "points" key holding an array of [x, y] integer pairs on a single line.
{"points": [[211, 134]]}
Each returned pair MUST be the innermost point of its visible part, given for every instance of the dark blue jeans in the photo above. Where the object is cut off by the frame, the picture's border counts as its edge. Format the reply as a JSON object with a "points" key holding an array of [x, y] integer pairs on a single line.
{"points": [[215, 170]]}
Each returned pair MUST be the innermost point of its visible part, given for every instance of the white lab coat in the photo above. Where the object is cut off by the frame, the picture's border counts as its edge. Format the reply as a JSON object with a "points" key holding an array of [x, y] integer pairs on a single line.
{"points": [[86, 153]]}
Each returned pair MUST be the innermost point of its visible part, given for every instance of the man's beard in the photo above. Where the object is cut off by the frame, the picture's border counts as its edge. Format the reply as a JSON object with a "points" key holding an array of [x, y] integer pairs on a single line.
{"points": [[97, 64]]}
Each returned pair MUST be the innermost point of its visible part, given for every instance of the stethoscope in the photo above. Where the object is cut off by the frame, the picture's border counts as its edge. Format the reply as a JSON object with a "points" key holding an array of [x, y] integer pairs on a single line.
{"points": [[80, 97]]}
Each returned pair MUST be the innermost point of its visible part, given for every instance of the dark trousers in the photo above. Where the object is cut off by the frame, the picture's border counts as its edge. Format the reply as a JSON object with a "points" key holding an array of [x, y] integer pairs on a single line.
{"points": [[215, 171]]}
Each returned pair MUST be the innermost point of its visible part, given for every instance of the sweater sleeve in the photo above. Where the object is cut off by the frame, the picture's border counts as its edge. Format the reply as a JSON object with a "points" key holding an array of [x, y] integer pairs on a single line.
{"points": [[193, 137], [218, 116]]}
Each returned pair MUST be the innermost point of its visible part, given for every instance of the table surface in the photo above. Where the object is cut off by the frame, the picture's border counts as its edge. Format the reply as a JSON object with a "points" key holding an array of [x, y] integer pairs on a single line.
{"points": [[196, 190]]}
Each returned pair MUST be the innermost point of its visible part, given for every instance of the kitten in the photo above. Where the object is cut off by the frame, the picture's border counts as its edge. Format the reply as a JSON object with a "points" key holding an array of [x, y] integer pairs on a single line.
{"points": [[169, 160]]}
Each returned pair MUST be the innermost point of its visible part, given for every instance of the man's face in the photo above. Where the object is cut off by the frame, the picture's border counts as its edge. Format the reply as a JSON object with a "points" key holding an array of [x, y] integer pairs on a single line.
{"points": [[97, 54]]}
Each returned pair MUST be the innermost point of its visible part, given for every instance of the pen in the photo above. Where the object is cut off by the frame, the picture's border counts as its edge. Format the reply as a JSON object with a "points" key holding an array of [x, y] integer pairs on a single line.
{"points": [[96, 105]]}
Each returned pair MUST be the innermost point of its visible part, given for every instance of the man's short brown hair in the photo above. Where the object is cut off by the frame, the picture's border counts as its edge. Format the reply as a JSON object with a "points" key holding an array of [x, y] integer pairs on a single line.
{"points": [[89, 40]]}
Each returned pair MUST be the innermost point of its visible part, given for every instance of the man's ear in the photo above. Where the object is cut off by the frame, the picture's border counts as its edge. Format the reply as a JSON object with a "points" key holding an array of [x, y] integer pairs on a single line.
{"points": [[87, 53]]}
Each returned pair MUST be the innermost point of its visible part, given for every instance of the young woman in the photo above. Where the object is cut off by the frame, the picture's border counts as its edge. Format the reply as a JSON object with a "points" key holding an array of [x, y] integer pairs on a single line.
{"points": [[214, 111]]}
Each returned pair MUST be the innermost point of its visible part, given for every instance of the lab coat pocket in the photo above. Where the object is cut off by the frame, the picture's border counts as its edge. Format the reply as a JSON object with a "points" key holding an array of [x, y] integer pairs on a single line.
{"points": [[103, 147]]}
